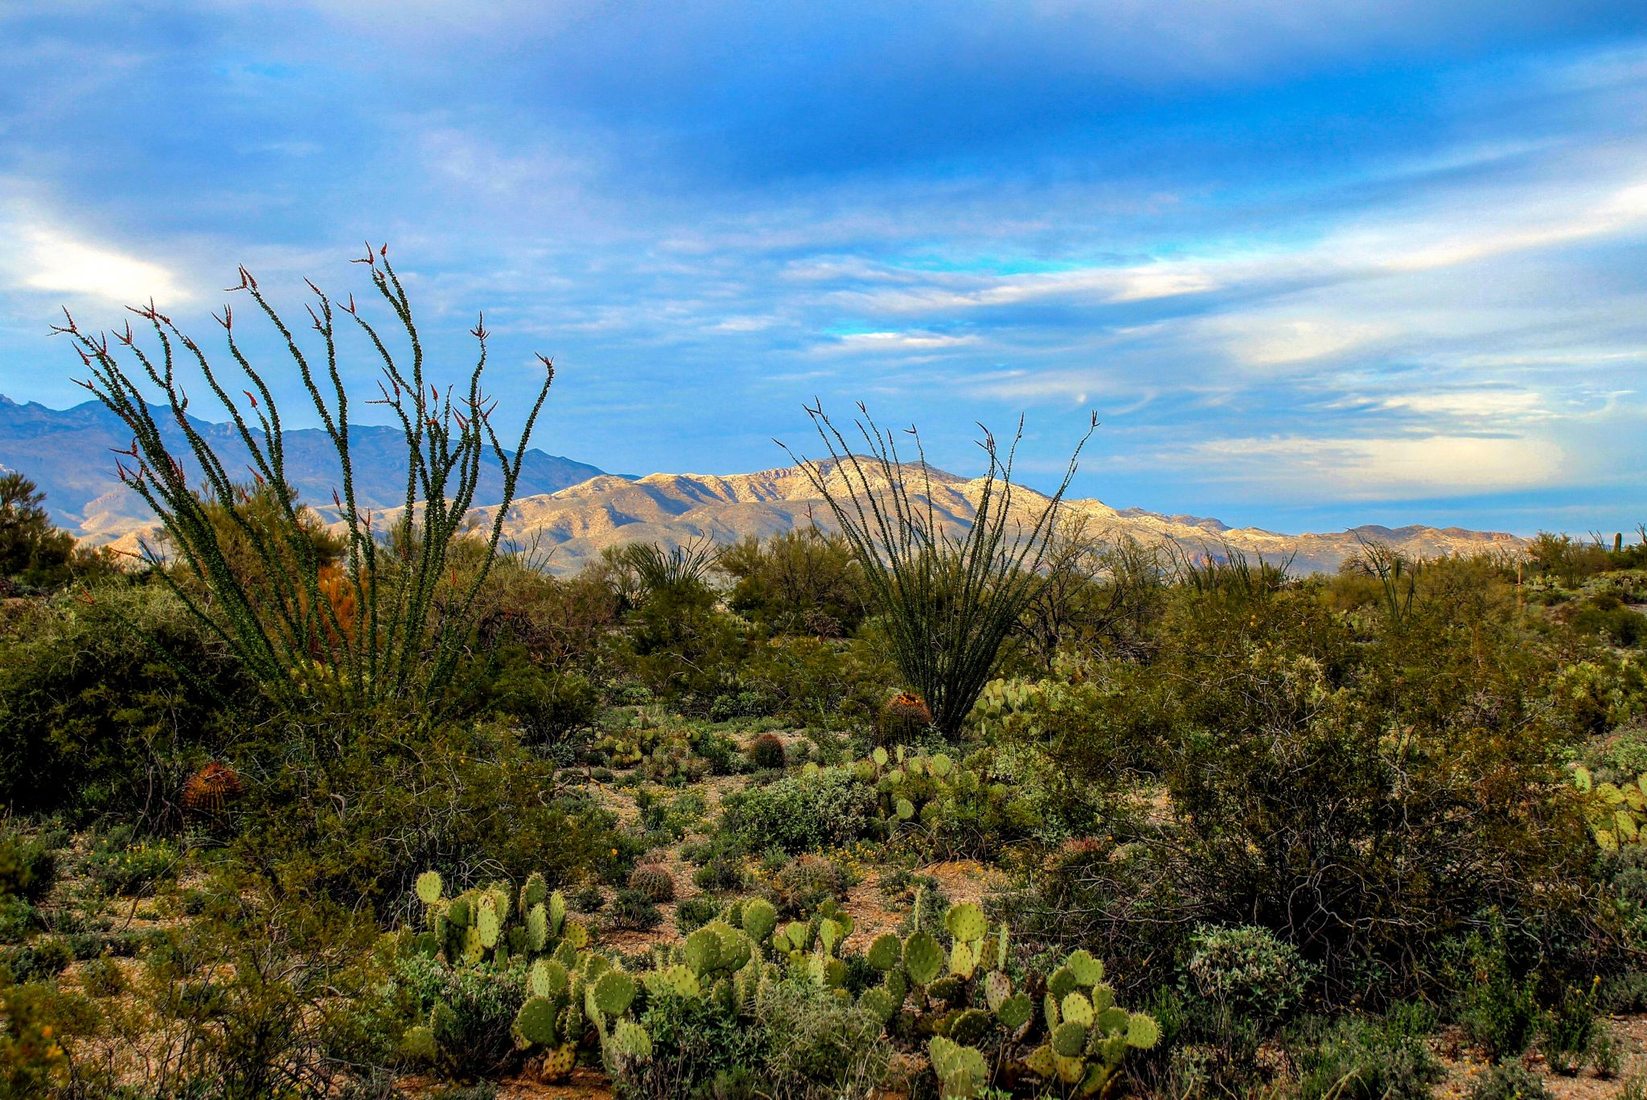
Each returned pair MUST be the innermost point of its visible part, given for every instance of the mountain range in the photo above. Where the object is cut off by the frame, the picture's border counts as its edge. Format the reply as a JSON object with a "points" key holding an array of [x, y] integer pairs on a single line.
{"points": [[572, 511]]}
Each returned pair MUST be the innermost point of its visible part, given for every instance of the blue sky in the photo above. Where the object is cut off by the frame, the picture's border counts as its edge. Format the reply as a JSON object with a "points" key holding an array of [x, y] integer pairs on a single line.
{"points": [[1311, 264]]}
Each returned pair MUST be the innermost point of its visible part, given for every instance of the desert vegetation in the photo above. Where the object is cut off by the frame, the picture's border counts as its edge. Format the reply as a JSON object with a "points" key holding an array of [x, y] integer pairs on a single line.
{"points": [[314, 803]]}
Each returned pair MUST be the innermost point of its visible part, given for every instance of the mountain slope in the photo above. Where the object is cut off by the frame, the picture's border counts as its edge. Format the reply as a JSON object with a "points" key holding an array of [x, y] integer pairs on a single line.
{"points": [[69, 454], [580, 521]]}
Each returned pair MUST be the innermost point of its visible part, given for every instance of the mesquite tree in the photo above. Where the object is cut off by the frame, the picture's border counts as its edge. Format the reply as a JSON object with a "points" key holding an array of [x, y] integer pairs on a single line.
{"points": [[948, 600], [376, 623]]}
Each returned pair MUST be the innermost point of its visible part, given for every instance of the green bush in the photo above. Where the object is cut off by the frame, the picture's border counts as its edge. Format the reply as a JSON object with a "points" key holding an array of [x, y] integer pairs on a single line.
{"points": [[806, 882], [820, 1045], [802, 813], [122, 865], [796, 582], [693, 1040], [633, 909], [1510, 1081], [1362, 1058], [470, 1008], [106, 700]]}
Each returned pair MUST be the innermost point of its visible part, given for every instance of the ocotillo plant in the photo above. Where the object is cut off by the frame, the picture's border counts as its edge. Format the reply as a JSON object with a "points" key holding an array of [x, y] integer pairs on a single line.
{"points": [[948, 600], [389, 625]]}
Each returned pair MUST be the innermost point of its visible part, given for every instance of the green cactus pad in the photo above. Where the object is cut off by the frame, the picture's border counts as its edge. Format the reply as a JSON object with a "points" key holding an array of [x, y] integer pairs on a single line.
{"points": [[966, 922], [886, 952], [1077, 1009], [878, 1003], [961, 1070], [970, 1025], [904, 809], [1062, 982], [576, 934], [613, 992], [923, 958], [429, 887], [557, 912], [1112, 1020], [488, 921], [830, 934], [1015, 1011], [1088, 970], [1102, 996], [473, 948], [961, 960], [631, 1040], [735, 948], [548, 978], [950, 989], [534, 892], [997, 988], [897, 985], [940, 765], [759, 919], [702, 951], [1049, 1009], [1041, 1062], [535, 1023], [537, 927], [1142, 1031], [1069, 1039], [879, 756], [557, 1064], [674, 980], [461, 910]]}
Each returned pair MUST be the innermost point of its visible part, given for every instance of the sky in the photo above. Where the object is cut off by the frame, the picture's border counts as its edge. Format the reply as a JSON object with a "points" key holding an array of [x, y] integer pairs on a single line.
{"points": [[1311, 265]]}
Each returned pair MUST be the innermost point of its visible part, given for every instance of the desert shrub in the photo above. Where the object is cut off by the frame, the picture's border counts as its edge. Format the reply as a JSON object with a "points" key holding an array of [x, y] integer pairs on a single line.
{"points": [[654, 881], [742, 703], [796, 582], [41, 1028], [28, 864], [550, 706], [721, 872], [257, 998], [34, 555], [470, 1009], [102, 977], [104, 699], [1509, 1081], [121, 864], [1497, 999], [820, 1045], [358, 822], [805, 882], [801, 813], [694, 1039], [767, 751], [1619, 626], [1570, 1029], [695, 912], [824, 682], [633, 909], [1243, 980], [39, 960], [1366, 1058]]}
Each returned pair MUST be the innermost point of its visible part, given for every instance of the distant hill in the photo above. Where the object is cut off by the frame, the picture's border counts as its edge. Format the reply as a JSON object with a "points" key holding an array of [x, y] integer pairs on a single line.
{"points": [[577, 510], [69, 454], [580, 521]]}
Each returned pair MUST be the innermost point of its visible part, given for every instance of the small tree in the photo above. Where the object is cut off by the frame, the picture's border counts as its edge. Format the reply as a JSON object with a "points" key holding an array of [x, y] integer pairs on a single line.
{"points": [[948, 600], [387, 625], [33, 552]]}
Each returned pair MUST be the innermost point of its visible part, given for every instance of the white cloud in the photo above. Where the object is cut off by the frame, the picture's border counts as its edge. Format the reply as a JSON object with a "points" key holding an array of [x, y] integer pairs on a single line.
{"points": [[896, 342], [1383, 468], [53, 261]]}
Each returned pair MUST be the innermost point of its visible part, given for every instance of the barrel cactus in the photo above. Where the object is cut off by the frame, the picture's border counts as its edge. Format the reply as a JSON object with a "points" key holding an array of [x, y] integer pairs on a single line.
{"points": [[655, 881], [903, 717]]}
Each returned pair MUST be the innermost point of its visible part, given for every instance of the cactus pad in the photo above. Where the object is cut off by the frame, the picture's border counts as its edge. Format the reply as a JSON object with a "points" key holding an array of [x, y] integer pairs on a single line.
{"points": [[1088, 971], [878, 1003], [1015, 1012], [965, 921], [961, 1070], [535, 1023], [886, 952], [923, 958], [488, 921], [759, 919], [534, 892], [961, 960], [537, 927], [1077, 1009], [702, 952], [614, 990], [1142, 1031], [548, 978], [969, 1025], [997, 988], [631, 1040], [557, 1064], [1069, 1039], [1061, 982], [429, 887]]}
